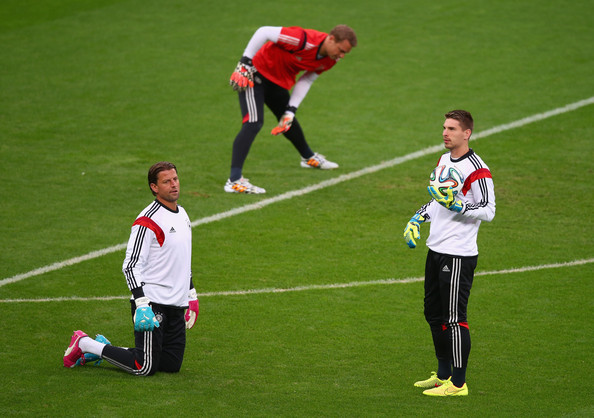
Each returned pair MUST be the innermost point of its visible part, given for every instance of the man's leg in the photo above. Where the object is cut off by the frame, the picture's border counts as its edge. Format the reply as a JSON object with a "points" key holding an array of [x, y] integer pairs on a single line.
{"points": [[277, 99], [456, 277], [433, 313], [143, 359], [251, 102], [174, 341]]}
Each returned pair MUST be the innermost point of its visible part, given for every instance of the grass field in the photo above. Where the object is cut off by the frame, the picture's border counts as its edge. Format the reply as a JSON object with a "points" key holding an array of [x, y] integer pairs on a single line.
{"points": [[93, 92]]}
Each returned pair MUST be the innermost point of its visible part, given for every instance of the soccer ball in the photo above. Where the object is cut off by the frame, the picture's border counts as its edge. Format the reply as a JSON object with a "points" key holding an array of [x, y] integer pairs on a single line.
{"points": [[443, 177]]}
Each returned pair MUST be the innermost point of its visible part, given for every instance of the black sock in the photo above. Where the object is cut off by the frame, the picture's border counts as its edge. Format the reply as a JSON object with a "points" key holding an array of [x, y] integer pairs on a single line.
{"points": [[241, 147], [459, 376], [235, 174], [444, 369], [295, 135]]}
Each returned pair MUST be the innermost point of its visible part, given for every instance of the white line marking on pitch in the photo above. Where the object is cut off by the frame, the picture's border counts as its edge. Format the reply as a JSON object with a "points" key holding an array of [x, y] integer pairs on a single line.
{"points": [[314, 286], [300, 192]]}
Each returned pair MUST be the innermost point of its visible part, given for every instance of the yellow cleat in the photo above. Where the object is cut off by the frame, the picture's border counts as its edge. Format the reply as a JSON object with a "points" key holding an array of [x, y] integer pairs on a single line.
{"points": [[432, 382], [447, 389]]}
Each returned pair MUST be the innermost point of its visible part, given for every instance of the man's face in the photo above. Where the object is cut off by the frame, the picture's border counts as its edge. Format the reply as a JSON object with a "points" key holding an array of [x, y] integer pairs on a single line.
{"points": [[454, 136], [337, 50], [167, 187]]}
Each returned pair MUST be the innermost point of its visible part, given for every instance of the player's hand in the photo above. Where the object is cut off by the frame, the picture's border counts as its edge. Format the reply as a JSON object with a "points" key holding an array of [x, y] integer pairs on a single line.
{"points": [[193, 309], [243, 76], [448, 200], [413, 230], [284, 124], [144, 317]]}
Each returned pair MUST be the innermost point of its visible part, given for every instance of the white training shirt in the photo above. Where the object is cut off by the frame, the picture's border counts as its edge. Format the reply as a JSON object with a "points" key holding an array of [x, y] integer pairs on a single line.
{"points": [[456, 233], [159, 255]]}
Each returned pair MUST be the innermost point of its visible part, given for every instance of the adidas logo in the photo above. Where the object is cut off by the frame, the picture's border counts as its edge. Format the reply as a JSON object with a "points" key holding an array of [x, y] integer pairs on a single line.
{"points": [[172, 230], [445, 269]]}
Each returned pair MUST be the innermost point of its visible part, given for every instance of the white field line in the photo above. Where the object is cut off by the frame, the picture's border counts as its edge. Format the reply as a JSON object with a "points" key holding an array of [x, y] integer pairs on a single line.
{"points": [[300, 192], [312, 287]]}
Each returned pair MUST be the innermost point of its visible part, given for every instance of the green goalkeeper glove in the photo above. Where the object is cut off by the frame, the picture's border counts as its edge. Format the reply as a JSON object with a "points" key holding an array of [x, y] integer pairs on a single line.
{"points": [[413, 230], [448, 200]]}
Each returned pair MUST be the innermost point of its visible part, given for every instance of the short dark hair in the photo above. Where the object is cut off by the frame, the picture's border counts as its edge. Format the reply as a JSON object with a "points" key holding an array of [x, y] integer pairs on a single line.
{"points": [[153, 173], [462, 116], [342, 32]]}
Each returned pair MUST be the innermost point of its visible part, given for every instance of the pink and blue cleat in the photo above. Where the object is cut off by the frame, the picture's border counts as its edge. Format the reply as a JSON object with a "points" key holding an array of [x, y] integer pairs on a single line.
{"points": [[73, 352], [75, 357]]}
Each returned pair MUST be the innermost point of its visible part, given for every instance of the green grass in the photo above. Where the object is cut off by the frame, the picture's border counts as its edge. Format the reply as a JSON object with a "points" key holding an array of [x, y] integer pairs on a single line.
{"points": [[93, 92]]}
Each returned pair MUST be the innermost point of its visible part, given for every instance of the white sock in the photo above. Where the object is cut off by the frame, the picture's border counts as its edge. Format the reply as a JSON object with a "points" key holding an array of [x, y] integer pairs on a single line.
{"points": [[89, 345]]}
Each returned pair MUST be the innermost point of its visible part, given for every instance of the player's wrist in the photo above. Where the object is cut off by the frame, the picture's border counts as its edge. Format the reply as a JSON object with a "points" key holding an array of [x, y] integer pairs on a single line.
{"points": [[137, 293], [458, 206], [246, 60], [417, 218]]}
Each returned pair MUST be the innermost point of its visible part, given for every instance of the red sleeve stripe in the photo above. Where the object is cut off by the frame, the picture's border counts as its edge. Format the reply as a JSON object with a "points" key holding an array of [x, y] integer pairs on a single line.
{"points": [[152, 225], [481, 173]]}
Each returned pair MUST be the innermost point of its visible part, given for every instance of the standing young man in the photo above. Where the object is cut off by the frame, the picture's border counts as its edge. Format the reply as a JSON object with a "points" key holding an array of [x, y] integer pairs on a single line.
{"points": [[452, 255], [158, 272], [267, 71]]}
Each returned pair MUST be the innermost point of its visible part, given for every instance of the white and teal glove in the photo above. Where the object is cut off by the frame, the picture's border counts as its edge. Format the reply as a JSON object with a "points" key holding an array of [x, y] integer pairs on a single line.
{"points": [[144, 317], [413, 230], [448, 200]]}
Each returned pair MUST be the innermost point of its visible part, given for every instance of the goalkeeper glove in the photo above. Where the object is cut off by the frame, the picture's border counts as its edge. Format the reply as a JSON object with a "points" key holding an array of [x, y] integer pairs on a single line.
{"points": [[243, 76], [284, 124], [448, 200], [144, 317], [193, 309], [413, 230]]}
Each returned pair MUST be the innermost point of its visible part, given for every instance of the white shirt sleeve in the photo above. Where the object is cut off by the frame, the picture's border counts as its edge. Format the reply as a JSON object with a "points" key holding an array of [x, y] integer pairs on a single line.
{"points": [[484, 208], [137, 255], [301, 88], [260, 37], [427, 210]]}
